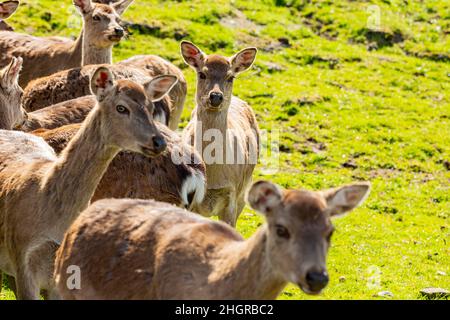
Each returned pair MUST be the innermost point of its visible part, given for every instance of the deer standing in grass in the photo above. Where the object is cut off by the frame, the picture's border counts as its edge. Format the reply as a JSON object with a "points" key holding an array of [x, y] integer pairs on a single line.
{"points": [[231, 123], [136, 249], [41, 194], [7, 8], [45, 56]]}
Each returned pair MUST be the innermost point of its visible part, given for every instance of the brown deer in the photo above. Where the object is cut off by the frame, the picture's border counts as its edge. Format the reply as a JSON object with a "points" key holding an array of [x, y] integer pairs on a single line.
{"points": [[41, 194], [7, 8], [181, 183], [45, 56], [74, 83], [233, 125], [12, 115], [136, 249]]}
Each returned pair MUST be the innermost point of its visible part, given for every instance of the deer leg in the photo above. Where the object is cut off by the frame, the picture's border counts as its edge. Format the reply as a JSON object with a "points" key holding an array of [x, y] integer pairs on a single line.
{"points": [[229, 213], [27, 288], [11, 283]]}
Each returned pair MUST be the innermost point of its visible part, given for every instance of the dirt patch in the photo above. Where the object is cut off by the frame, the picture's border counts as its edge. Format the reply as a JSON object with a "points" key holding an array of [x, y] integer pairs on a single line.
{"points": [[238, 20]]}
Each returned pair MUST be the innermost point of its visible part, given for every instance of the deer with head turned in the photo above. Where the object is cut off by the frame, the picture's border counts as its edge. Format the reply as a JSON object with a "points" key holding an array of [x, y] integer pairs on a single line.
{"points": [[41, 194], [233, 124], [136, 249], [44, 56], [7, 8]]}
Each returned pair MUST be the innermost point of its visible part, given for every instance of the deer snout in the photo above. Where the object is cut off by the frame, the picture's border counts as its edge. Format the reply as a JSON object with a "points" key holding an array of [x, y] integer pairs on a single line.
{"points": [[119, 32], [159, 144], [215, 98], [316, 280]]}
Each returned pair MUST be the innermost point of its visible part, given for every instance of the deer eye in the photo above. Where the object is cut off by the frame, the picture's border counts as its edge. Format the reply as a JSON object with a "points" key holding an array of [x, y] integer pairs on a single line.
{"points": [[230, 79], [202, 75], [282, 232], [96, 18], [121, 109]]}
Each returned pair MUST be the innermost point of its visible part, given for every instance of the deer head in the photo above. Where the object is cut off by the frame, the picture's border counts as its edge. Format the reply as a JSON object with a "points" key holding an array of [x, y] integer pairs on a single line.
{"points": [[300, 228], [215, 74], [102, 22], [127, 108]]}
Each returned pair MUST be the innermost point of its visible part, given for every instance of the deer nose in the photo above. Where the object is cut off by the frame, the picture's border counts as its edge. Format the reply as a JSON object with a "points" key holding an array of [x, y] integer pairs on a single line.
{"points": [[215, 98], [119, 32], [317, 280], [159, 144]]}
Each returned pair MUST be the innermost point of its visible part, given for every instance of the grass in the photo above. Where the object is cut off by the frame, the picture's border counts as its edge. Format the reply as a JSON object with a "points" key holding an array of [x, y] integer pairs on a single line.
{"points": [[351, 102]]}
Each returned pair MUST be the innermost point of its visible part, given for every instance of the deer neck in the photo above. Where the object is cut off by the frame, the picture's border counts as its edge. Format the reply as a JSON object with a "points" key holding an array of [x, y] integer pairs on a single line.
{"points": [[209, 123], [93, 54], [246, 271], [73, 178], [76, 56]]}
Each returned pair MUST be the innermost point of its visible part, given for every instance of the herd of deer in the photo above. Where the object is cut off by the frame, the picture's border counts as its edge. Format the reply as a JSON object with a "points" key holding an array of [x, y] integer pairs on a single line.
{"points": [[83, 129]]}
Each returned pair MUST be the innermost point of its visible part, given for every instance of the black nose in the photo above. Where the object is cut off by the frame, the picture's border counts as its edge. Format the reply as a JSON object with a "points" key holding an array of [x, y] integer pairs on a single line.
{"points": [[159, 144], [215, 98], [317, 280], [119, 32]]}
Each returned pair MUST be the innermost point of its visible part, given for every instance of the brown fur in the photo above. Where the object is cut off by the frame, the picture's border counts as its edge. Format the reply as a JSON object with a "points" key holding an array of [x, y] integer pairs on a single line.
{"points": [[74, 83], [7, 8], [41, 194], [136, 249], [227, 183], [131, 175], [153, 66], [45, 56]]}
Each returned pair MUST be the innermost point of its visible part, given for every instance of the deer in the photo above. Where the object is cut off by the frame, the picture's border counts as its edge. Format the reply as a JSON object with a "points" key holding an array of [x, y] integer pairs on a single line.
{"points": [[142, 249], [14, 116], [74, 83], [44, 56], [177, 176], [41, 193], [233, 123], [7, 8]]}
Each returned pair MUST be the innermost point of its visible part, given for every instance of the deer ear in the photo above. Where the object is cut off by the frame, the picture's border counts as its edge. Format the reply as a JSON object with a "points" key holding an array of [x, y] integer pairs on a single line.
{"points": [[192, 55], [159, 86], [346, 198], [10, 74], [122, 6], [7, 8], [264, 196], [102, 82], [84, 6], [243, 60]]}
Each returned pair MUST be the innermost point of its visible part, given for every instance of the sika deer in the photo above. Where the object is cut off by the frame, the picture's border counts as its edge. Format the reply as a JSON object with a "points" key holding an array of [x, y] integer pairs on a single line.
{"points": [[7, 8], [45, 56], [136, 249], [232, 124], [181, 183], [74, 83], [41, 194]]}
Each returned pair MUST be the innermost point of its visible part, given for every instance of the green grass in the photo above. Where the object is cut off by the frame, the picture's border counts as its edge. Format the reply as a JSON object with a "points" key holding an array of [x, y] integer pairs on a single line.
{"points": [[341, 93]]}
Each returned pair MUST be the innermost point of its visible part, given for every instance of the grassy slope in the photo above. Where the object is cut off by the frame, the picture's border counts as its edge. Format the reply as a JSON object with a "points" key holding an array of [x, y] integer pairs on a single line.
{"points": [[385, 112]]}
